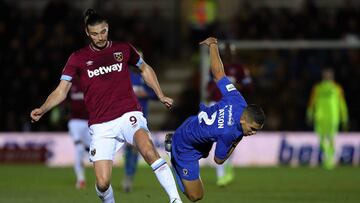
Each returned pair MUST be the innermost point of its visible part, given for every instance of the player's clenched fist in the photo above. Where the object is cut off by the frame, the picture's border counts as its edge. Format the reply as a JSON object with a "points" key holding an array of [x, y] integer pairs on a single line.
{"points": [[36, 114], [167, 101], [210, 40]]}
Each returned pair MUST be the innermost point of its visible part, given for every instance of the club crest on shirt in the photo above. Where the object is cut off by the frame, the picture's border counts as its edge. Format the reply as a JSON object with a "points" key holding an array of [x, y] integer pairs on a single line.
{"points": [[118, 56], [89, 63], [185, 171], [93, 152]]}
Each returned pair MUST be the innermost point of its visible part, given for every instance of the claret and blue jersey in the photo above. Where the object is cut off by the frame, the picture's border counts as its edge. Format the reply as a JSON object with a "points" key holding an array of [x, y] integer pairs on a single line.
{"points": [[217, 123], [105, 79]]}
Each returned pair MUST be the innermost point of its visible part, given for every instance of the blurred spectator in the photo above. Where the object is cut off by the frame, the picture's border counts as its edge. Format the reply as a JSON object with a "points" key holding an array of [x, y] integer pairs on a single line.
{"points": [[203, 16], [56, 11]]}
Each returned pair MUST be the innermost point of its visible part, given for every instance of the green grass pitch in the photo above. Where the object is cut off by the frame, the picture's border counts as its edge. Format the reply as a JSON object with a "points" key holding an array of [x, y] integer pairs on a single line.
{"points": [[29, 183]]}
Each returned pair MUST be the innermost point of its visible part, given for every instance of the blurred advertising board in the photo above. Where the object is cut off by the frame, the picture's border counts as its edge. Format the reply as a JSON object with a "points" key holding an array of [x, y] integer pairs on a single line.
{"points": [[264, 149]]}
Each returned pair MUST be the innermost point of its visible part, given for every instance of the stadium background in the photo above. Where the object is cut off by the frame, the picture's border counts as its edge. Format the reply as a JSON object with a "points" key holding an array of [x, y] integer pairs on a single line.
{"points": [[37, 36]]}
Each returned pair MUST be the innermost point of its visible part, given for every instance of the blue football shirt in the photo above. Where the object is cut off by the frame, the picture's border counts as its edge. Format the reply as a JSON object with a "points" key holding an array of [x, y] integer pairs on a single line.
{"points": [[217, 123]]}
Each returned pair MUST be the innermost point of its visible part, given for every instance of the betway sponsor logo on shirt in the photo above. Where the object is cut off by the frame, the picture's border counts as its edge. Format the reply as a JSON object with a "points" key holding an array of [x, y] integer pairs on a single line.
{"points": [[117, 67]]}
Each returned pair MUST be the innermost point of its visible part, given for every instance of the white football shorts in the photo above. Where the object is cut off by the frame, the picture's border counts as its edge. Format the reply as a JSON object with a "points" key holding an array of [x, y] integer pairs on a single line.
{"points": [[79, 131], [109, 137]]}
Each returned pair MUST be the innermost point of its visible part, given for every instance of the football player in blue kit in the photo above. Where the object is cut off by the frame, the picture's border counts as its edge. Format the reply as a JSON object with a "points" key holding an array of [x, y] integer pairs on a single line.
{"points": [[225, 123]]}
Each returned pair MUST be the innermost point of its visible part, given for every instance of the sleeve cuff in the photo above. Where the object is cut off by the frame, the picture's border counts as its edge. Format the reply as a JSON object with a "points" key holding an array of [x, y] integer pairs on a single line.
{"points": [[66, 77], [141, 61]]}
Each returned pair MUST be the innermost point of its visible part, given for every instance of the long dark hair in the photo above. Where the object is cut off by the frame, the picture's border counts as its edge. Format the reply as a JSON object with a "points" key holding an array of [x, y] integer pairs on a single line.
{"points": [[91, 17]]}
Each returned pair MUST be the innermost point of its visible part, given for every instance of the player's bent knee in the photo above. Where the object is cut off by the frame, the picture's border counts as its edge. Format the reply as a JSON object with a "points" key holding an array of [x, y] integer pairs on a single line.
{"points": [[194, 197], [102, 186], [193, 190]]}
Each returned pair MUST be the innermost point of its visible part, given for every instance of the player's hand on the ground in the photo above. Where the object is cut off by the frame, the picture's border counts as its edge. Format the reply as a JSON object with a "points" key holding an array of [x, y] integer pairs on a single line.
{"points": [[36, 114], [167, 101], [210, 40]]}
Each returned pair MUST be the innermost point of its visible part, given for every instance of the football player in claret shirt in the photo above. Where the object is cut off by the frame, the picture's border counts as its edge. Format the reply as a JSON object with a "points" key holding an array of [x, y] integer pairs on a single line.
{"points": [[115, 115], [225, 122]]}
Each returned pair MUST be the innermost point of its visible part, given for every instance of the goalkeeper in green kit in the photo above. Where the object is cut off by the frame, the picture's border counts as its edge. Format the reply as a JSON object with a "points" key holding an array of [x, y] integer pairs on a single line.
{"points": [[326, 108]]}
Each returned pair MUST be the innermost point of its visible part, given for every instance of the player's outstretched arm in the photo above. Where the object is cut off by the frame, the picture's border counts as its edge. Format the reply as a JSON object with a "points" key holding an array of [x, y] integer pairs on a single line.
{"points": [[151, 80], [217, 67], [55, 98]]}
